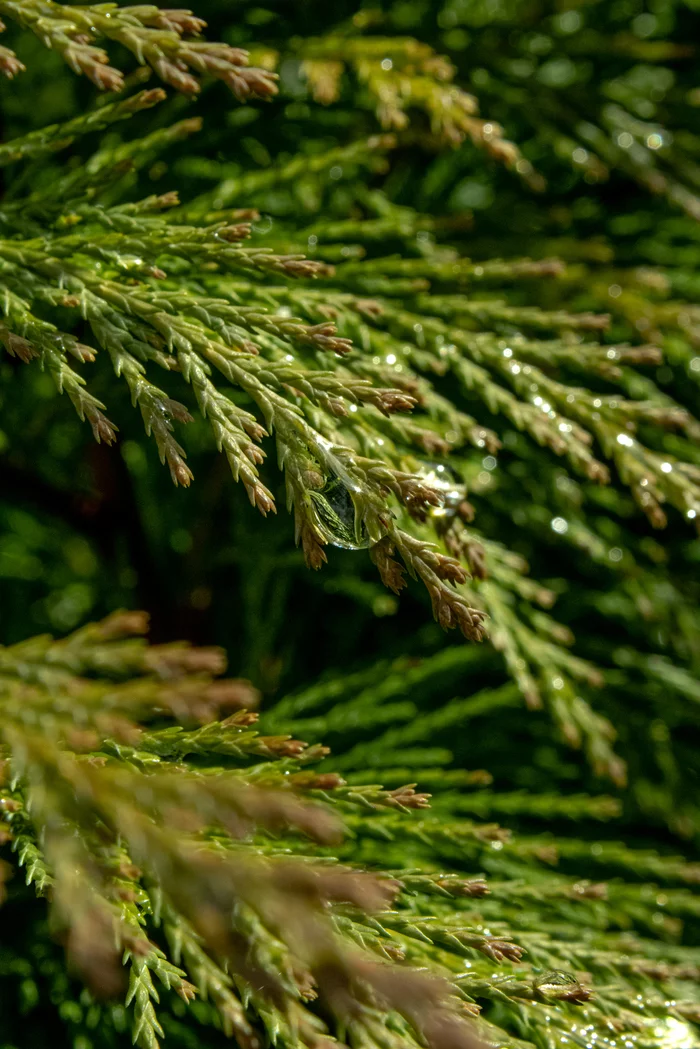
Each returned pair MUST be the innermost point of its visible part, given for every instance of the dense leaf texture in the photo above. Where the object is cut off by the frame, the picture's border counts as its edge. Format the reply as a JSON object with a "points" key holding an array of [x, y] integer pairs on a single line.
{"points": [[455, 360]]}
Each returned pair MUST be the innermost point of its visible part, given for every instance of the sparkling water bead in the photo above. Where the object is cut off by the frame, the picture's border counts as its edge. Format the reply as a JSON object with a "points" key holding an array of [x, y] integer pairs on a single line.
{"points": [[551, 982], [448, 483], [336, 516]]}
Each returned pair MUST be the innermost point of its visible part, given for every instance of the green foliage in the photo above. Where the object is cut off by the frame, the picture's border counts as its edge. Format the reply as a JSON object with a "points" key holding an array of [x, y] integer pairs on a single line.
{"points": [[158, 38], [241, 874], [473, 360]]}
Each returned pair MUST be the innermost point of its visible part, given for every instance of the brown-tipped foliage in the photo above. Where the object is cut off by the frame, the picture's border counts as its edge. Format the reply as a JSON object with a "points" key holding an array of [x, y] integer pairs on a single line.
{"points": [[165, 40], [97, 793]]}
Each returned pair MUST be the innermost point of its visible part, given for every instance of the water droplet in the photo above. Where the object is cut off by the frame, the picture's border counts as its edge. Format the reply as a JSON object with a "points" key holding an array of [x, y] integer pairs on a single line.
{"points": [[444, 479], [336, 516], [553, 980]]}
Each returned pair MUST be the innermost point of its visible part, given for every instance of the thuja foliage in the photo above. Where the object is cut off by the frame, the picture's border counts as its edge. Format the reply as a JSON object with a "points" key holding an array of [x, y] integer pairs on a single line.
{"points": [[185, 854], [443, 395]]}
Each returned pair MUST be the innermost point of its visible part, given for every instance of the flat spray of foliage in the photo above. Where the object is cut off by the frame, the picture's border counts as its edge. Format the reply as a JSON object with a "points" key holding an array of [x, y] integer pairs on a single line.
{"points": [[224, 876], [184, 852]]}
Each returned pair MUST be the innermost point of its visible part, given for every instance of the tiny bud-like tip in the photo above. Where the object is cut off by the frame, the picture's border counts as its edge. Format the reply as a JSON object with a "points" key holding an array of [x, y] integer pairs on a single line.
{"points": [[103, 430], [181, 473], [168, 200], [151, 97]]}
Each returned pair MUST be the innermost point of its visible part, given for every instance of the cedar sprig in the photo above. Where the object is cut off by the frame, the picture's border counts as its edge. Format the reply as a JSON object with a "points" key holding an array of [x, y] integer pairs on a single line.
{"points": [[159, 39], [401, 75], [336, 420], [243, 825], [151, 818], [60, 136]]}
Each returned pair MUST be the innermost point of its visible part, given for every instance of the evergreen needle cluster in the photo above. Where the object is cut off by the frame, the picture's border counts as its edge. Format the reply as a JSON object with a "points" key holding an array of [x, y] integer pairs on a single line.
{"points": [[452, 397], [186, 855]]}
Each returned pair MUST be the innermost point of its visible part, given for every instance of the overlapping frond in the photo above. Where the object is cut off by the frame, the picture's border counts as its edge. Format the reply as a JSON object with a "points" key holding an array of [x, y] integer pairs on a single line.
{"points": [[165, 40], [181, 849]]}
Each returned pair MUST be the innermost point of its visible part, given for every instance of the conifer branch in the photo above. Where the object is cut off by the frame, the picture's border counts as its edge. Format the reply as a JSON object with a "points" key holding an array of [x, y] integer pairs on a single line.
{"points": [[180, 846], [157, 38]]}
